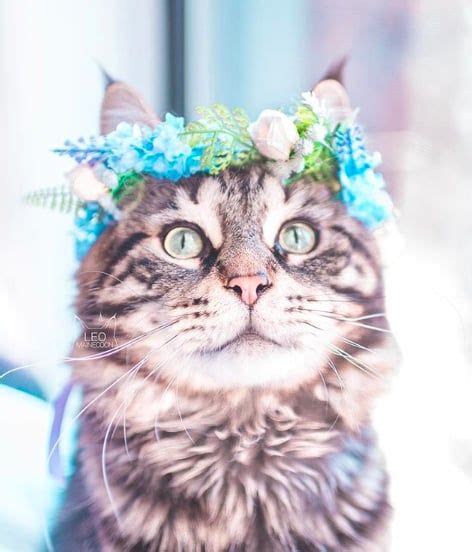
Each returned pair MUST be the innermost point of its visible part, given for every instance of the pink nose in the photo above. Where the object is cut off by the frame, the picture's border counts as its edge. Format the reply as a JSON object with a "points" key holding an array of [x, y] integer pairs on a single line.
{"points": [[249, 287]]}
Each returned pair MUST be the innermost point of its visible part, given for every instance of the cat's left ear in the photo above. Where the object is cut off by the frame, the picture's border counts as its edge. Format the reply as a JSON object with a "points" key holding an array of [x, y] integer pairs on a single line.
{"points": [[122, 103], [332, 93]]}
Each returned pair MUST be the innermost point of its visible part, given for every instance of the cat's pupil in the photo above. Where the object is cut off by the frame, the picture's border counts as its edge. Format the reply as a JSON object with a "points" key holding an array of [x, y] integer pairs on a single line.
{"points": [[297, 238], [183, 243]]}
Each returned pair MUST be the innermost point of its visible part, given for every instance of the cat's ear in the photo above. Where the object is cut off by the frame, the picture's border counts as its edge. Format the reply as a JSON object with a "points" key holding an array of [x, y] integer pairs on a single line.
{"points": [[121, 103], [332, 93]]}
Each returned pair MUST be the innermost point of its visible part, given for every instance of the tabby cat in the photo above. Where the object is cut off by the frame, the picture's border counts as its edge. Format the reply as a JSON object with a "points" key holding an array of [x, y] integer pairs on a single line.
{"points": [[233, 411]]}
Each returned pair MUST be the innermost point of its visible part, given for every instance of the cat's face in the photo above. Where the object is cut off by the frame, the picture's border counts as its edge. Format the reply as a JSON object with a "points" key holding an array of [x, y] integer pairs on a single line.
{"points": [[237, 279]]}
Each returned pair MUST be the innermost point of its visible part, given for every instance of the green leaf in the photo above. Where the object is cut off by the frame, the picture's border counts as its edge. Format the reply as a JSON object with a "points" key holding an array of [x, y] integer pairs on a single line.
{"points": [[304, 119], [59, 199], [126, 183], [223, 134]]}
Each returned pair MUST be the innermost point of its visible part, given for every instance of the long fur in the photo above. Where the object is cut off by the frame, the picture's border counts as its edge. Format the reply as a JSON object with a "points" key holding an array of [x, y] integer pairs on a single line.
{"points": [[196, 439]]}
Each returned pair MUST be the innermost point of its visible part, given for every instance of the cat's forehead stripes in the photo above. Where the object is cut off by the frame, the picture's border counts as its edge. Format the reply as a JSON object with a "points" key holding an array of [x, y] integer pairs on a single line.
{"points": [[234, 205]]}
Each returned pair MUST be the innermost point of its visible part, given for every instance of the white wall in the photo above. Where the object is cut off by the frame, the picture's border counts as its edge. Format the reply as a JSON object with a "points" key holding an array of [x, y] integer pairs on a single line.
{"points": [[50, 90]]}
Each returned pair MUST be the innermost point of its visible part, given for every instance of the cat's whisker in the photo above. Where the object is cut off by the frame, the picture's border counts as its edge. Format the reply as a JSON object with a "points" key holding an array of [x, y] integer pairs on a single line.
{"points": [[180, 413], [134, 291], [95, 356], [320, 373], [331, 364], [156, 417], [357, 345], [355, 362], [351, 321], [114, 508], [366, 326], [348, 318], [133, 375], [335, 299], [132, 341], [344, 339], [167, 389], [85, 408], [89, 404], [342, 386], [344, 354], [368, 316]]}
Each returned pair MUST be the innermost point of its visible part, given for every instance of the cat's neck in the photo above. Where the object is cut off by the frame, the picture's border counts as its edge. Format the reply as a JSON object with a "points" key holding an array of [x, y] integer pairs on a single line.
{"points": [[150, 451]]}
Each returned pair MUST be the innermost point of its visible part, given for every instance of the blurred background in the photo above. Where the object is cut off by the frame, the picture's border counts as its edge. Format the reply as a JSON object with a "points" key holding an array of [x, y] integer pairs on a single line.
{"points": [[409, 70]]}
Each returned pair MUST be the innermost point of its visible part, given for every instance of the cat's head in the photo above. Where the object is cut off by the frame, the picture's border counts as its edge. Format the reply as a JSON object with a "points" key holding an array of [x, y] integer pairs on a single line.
{"points": [[234, 280]]}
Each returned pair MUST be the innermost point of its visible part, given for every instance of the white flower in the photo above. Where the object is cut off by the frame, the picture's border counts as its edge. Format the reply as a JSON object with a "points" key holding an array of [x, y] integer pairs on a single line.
{"points": [[318, 132], [107, 203], [274, 134], [306, 147], [107, 176], [376, 159], [84, 184], [285, 169], [316, 104]]}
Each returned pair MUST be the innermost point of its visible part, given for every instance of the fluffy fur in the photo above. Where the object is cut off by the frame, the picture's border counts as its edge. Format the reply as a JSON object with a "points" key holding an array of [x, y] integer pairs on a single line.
{"points": [[213, 426]]}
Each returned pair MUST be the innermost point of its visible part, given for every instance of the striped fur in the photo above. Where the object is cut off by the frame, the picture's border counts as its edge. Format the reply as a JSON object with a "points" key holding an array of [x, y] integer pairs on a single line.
{"points": [[194, 439]]}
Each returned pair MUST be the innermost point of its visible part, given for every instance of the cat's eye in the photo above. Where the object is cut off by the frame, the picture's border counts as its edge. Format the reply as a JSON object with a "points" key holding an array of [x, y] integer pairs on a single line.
{"points": [[183, 243], [298, 238]]}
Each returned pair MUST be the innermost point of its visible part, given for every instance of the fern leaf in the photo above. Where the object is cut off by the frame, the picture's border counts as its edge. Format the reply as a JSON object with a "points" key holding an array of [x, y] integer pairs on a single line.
{"points": [[59, 199]]}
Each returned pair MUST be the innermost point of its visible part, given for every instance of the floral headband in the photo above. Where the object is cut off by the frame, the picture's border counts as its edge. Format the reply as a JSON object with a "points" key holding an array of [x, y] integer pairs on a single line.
{"points": [[317, 141]]}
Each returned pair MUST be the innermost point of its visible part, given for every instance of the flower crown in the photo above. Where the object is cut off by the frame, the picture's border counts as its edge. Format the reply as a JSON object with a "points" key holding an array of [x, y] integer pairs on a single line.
{"points": [[315, 141]]}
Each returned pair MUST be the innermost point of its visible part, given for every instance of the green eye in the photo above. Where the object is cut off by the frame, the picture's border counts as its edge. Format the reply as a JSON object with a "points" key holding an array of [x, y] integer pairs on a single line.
{"points": [[183, 243], [298, 238]]}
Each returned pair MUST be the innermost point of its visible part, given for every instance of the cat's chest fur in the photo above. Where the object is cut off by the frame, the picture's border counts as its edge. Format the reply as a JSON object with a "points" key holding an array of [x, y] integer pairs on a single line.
{"points": [[259, 472]]}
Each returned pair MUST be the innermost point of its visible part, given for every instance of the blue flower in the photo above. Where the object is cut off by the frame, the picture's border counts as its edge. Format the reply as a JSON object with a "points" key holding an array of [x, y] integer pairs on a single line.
{"points": [[365, 197], [362, 189], [90, 221], [159, 152]]}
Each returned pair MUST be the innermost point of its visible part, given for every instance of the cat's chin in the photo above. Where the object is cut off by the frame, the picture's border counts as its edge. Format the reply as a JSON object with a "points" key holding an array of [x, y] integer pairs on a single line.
{"points": [[246, 343], [249, 362]]}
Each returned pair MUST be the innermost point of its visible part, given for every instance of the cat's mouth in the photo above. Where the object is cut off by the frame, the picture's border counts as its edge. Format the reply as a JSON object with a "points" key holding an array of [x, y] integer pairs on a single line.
{"points": [[248, 338]]}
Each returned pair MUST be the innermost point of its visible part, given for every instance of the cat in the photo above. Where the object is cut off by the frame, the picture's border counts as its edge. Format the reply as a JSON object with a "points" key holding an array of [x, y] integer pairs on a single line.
{"points": [[234, 414]]}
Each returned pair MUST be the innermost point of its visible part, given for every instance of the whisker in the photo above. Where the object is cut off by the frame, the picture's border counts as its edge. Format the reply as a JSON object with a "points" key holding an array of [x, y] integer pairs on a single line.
{"points": [[104, 469], [134, 291], [357, 345], [366, 326], [352, 321], [180, 414], [335, 299], [133, 375], [95, 356], [344, 354], [91, 402], [156, 417], [355, 362], [119, 348]]}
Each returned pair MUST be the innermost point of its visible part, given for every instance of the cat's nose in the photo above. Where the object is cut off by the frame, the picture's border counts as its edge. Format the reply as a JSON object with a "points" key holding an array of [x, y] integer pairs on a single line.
{"points": [[249, 287]]}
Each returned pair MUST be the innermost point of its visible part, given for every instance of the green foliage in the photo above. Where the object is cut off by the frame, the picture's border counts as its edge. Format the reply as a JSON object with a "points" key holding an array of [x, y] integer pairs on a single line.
{"points": [[57, 199], [126, 182], [305, 117], [320, 164], [223, 136]]}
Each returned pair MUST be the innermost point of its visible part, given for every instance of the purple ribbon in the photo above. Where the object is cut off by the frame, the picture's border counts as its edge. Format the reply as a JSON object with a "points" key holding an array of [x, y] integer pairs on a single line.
{"points": [[56, 469]]}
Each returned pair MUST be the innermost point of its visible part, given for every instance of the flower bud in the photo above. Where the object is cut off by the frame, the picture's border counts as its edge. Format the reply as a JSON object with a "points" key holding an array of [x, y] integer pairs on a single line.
{"points": [[84, 184], [274, 134]]}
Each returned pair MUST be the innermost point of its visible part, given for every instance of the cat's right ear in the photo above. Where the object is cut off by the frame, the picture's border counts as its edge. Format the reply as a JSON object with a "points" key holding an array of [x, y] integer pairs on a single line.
{"points": [[122, 103], [331, 91]]}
